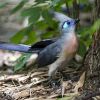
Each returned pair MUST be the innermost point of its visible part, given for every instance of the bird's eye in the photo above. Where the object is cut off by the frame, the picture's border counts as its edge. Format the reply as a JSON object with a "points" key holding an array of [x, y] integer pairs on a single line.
{"points": [[68, 22]]}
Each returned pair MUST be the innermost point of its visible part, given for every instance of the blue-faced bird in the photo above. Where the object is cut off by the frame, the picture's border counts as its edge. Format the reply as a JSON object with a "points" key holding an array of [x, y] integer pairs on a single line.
{"points": [[54, 53]]}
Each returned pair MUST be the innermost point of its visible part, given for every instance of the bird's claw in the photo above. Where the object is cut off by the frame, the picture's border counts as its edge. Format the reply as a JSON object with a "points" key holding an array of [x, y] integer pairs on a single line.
{"points": [[53, 83]]}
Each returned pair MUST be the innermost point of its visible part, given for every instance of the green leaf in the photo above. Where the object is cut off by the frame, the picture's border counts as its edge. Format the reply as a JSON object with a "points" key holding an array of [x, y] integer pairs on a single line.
{"points": [[33, 13], [26, 12], [47, 16], [70, 3], [47, 35], [55, 2], [19, 6], [83, 1], [20, 35], [40, 1], [21, 62], [31, 38], [3, 4], [34, 18], [41, 25], [82, 48], [96, 25], [30, 11]]}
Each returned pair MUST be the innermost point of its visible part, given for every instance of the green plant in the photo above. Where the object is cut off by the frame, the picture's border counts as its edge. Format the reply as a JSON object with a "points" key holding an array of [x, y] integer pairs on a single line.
{"points": [[46, 27]]}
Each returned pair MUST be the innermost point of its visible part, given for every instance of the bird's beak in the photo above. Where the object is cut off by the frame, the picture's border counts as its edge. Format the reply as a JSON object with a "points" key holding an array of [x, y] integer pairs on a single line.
{"points": [[77, 21]]}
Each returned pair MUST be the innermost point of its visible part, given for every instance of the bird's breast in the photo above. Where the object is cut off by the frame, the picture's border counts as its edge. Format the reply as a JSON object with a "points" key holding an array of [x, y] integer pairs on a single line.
{"points": [[70, 47]]}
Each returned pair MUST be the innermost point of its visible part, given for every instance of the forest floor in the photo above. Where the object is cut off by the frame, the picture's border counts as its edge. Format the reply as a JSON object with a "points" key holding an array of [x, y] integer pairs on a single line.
{"points": [[33, 84]]}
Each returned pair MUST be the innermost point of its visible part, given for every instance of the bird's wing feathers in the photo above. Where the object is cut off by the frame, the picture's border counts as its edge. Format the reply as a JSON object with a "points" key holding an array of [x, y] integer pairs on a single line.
{"points": [[48, 55], [42, 44]]}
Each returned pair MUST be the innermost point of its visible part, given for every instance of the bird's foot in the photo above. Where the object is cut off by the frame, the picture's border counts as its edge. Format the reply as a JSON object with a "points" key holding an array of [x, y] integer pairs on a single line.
{"points": [[53, 83]]}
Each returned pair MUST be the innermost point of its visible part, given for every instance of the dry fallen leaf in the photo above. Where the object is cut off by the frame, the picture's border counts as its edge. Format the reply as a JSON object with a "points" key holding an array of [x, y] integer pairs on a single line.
{"points": [[80, 83]]}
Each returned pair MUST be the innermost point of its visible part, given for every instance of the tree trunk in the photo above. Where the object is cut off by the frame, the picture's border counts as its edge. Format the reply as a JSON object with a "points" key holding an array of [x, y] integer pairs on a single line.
{"points": [[92, 59]]}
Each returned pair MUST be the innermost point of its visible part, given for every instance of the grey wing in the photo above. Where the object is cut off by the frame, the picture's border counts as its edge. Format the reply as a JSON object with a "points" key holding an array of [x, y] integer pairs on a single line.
{"points": [[48, 55]]}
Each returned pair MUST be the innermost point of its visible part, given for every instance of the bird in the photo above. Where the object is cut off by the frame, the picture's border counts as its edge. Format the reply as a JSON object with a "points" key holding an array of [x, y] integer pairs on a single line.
{"points": [[54, 53]]}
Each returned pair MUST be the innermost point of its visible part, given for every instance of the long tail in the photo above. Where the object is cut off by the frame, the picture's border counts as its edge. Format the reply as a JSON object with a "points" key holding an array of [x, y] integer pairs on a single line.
{"points": [[15, 47], [35, 48]]}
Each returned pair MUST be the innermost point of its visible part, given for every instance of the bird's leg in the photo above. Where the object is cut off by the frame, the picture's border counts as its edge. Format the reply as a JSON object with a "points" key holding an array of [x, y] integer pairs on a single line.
{"points": [[51, 79], [63, 74]]}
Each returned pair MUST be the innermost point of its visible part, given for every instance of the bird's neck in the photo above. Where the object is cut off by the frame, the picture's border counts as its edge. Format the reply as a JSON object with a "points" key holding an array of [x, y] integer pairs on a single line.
{"points": [[67, 36]]}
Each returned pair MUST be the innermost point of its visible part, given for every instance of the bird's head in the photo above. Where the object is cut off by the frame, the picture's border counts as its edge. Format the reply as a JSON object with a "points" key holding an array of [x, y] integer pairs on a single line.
{"points": [[67, 24]]}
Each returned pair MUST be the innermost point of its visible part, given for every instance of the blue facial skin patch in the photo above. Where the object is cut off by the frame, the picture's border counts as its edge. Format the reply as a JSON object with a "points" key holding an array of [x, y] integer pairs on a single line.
{"points": [[65, 25]]}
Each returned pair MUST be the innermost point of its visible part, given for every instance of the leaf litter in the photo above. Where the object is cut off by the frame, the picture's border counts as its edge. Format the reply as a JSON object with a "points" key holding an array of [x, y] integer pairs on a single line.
{"points": [[31, 84]]}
